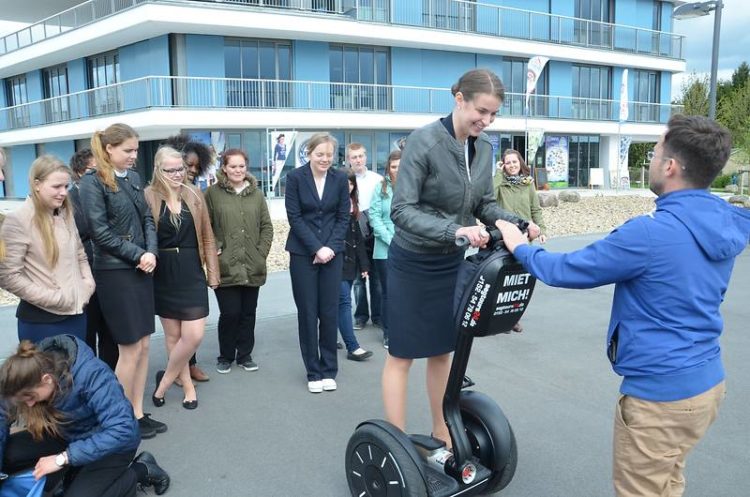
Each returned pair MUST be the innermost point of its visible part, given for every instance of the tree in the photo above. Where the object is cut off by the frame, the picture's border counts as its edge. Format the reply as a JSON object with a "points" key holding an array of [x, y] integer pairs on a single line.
{"points": [[740, 76], [734, 113], [694, 95]]}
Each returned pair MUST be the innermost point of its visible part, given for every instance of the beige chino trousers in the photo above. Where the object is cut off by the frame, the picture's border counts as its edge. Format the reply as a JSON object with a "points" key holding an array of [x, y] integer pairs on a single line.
{"points": [[652, 440]]}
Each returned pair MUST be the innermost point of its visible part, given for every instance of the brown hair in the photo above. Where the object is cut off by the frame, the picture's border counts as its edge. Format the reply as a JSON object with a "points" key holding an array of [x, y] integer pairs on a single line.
{"points": [[41, 169], [233, 151], [23, 371], [701, 145], [80, 161], [354, 194], [393, 156], [114, 135], [479, 81], [319, 138], [525, 171]]}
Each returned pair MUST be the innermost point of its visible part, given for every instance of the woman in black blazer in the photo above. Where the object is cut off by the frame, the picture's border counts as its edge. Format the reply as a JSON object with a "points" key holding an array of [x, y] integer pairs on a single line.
{"points": [[317, 206]]}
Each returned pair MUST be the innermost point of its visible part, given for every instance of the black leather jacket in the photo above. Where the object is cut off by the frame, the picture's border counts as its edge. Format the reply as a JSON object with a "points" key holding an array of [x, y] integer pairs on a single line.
{"points": [[355, 253], [120, 223]]}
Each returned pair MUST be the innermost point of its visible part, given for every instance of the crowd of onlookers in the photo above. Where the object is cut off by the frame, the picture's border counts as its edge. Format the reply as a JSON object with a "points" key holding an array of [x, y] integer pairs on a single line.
{"points": [[94, 262]]}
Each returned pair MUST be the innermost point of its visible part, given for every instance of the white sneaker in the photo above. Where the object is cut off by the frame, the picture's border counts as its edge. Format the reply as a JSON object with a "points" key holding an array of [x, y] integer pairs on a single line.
{"points": [[328, 384], [316, 386]]}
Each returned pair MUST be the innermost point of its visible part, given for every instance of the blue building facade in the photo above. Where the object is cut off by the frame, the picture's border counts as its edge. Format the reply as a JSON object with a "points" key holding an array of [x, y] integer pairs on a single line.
{"points": [[238, 72]]}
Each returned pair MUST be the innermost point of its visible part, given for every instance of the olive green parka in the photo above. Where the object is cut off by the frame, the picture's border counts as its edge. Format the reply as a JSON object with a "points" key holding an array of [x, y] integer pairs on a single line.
{"points": [[243, 230]]}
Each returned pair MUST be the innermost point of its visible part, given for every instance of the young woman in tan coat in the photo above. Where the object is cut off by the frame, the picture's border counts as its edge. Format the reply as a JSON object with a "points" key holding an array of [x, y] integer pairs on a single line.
{"points": [[45, 264], [186, 245]]}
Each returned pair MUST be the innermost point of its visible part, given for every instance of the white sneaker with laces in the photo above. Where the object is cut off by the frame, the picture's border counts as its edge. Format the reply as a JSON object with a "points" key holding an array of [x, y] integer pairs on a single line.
{"points": [[329, 384], [315, 386]]}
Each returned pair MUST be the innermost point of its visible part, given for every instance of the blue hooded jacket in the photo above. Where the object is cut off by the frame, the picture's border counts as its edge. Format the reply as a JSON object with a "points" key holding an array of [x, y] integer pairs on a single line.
{"points": [[100, 419], [671, 269]]}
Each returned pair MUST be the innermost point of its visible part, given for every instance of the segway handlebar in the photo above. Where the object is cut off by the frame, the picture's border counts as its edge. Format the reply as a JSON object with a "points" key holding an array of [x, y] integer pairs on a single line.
{"points": [[494, 234]]}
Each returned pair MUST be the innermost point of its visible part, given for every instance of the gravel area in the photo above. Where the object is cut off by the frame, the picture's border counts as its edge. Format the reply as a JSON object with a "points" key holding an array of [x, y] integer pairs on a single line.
{"points": [[597, 214]]}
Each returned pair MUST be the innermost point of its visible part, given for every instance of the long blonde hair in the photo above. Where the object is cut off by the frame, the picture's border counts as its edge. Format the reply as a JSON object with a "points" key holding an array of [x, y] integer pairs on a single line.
{"points": [[41, 168], [114, 135], [160, 183]]}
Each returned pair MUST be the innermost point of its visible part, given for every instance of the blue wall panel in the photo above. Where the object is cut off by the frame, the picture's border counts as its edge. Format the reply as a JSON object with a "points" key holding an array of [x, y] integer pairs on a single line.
{"points": [[560, 77], [21, 156], [77, 82], [563, 7], [145, 58], [63, 150], [204, 57], [3, 103], [312, 63], [34, 93]]}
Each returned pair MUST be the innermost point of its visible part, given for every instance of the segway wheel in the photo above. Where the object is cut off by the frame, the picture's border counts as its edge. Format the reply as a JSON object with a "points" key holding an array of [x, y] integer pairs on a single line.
{"points": [[378, 466], [491, 438]]}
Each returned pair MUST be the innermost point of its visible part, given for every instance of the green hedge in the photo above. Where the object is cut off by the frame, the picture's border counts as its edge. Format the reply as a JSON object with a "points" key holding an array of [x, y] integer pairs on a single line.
{"points": [[721, 181]]}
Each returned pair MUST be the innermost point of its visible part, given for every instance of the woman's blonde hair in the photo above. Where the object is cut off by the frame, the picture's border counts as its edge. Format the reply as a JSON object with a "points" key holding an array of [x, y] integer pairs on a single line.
{"points": [[23, 371], [114, 135], [41, 169], [160, 183]]}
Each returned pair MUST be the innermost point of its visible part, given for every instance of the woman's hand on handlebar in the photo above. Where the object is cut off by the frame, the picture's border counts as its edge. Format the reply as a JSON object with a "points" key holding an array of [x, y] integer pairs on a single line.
{"points": [[476, 235], [512, 236], [534, 231]]}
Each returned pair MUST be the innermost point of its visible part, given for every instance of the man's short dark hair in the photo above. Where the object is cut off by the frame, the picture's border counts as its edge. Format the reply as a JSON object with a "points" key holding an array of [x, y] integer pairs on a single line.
{"points": [[701, 145], [80, 161]]}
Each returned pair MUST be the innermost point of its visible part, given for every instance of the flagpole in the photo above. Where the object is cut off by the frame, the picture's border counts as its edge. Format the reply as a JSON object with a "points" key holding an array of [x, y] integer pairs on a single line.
{"points": [[619, 144]]}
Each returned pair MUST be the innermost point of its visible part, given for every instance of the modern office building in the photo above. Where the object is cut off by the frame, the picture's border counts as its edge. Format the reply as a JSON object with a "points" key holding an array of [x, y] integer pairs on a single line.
{"points": [[237, 73]]}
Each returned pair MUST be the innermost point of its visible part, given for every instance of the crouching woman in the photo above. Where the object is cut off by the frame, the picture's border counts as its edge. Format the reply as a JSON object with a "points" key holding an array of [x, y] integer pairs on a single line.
{"points": [[76, 419]]}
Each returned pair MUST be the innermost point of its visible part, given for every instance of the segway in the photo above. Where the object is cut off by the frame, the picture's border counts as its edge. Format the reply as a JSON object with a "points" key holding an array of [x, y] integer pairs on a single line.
{"points": [[492, 293]]}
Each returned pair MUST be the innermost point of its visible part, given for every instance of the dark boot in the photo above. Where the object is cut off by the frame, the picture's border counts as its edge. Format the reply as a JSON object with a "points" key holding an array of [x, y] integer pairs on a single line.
{"points": [[155, 475]]}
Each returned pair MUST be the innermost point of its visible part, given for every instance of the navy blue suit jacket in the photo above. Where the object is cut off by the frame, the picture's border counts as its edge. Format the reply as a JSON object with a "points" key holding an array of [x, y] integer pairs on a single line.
{"points": [[314, 222]]}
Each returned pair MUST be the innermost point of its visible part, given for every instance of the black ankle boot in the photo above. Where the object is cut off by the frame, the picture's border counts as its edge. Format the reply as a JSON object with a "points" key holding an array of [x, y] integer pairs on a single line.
{"points": [[155, 475]]}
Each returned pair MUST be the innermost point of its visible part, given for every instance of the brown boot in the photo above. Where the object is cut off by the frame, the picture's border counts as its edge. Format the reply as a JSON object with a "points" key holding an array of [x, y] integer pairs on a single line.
{"points": [[197, 374]]}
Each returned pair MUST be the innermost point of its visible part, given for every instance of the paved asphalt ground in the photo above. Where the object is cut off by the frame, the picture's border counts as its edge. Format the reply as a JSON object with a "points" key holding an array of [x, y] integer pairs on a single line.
{"points": [[262, 434]]}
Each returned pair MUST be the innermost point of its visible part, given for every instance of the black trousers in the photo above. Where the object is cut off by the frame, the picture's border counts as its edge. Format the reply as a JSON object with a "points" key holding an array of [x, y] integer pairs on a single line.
{"points": [[316, 294], [109, 476], [237, 309], [98, 336]]}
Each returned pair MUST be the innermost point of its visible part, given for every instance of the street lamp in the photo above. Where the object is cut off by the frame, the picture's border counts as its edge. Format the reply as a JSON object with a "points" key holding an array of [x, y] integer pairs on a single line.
{"points": [[699, 9]]}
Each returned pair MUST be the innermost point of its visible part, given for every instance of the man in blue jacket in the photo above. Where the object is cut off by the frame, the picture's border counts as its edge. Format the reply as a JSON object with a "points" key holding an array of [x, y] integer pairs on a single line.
{"points": [[671, 269]]}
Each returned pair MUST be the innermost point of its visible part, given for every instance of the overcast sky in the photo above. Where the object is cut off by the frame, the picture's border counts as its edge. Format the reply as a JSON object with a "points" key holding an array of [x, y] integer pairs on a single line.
{"points": [[734, 47], [734, 44]]}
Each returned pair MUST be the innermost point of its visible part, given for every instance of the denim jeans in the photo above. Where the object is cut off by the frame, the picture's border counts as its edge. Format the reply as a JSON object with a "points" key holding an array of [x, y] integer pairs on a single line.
{"points": [[346, 327]]}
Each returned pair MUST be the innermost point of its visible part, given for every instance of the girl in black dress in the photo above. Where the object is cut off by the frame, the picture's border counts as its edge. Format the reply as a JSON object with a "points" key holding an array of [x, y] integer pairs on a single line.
{"points": [[186, 243]]}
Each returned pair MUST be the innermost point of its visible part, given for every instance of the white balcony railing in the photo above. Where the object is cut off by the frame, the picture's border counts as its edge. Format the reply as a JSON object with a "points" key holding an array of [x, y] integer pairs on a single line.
{"points": [[227, 93], [451, 15]]}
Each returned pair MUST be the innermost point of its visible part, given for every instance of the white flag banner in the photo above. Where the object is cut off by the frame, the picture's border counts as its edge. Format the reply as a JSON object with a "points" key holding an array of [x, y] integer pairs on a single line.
{"points": [[624, 96], [534, 70]]}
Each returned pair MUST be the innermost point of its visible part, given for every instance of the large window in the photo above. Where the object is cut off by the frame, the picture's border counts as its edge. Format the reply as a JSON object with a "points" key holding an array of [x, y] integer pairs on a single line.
{"points": [[582, 156], [594, 33], [359, 77], [592, 90], [55, 88], [261, 72], [15, 89], [103, 76], [514, 79], [646, 95], [447, 14]]}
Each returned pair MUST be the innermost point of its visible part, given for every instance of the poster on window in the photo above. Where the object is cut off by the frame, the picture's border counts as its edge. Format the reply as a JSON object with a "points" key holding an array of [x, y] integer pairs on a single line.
{"points": [[281, 143], [557, 161]]}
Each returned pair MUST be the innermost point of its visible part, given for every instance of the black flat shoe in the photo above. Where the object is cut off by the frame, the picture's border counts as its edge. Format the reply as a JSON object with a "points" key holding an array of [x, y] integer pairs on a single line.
{"points": [[362, 356], [158, 401], [190, 404], [155, 476]]}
